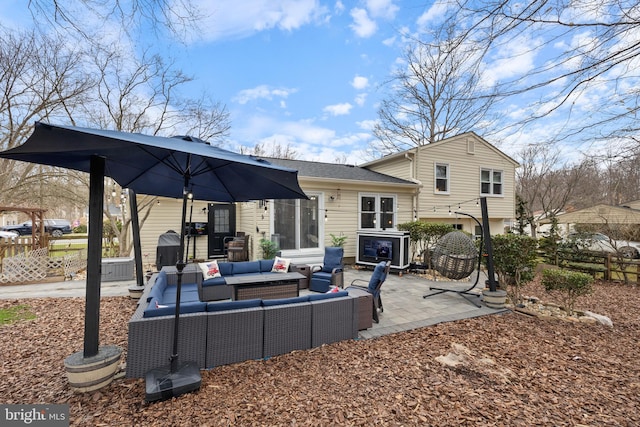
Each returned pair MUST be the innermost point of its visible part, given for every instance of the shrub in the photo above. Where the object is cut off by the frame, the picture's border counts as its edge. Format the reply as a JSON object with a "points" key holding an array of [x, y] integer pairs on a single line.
{"points": [[514, 261], [567, 285], [80, 229], [423, 236]]}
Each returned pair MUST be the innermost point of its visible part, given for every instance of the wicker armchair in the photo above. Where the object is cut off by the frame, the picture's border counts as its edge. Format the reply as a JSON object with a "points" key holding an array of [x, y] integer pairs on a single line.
{"points": [[331, 271]]}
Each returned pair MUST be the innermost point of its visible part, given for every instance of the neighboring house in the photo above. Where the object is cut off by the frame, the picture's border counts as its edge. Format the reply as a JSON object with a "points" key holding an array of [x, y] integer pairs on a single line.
{"points": [[602, 214], [543, 225], [424, 182]]}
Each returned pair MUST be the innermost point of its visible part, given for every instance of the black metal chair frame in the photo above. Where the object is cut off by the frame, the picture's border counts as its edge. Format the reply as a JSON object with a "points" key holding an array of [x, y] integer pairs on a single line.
{"points": [[464, 292], [377, 301]]}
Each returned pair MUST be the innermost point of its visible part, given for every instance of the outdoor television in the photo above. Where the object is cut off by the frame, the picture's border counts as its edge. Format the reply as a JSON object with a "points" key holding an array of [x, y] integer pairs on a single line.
{"points": [[376, 248], [196, 229]]}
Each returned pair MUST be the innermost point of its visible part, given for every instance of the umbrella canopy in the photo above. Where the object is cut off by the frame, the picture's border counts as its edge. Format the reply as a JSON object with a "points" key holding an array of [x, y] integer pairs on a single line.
{"points": [[149, 165], [160, 166]]}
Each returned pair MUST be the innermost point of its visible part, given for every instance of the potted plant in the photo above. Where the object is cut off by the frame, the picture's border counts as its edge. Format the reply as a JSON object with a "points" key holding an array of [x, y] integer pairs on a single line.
{"points": [[269, 248], [338, 241]]}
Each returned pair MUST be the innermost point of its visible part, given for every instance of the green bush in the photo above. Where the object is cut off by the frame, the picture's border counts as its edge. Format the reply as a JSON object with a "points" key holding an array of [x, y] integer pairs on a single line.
{"points": [[80, 229], [567, 285], [514, 261], [423, 236]]}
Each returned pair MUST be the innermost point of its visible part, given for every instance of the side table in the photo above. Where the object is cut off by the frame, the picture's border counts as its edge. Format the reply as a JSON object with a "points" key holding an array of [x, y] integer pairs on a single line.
{"points": [[305, 270]]}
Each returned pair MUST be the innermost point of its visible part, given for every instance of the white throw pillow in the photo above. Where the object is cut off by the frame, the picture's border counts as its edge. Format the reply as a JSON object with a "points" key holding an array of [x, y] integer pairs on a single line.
{"points": [[210, 269], [281, 265]]}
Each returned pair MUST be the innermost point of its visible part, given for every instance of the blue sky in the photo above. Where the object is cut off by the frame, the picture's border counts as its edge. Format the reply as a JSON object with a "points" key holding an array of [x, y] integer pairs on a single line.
{"points": [[310, 76], [311, 73]]}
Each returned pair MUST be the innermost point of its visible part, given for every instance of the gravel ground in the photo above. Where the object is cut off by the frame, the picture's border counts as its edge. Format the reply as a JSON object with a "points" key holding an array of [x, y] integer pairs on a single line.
{"points": [[515, 370]]}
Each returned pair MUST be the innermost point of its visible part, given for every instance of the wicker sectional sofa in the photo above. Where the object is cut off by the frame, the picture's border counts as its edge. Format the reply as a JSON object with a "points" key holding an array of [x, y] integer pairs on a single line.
{"points": [[223, 332], [216, 289]]}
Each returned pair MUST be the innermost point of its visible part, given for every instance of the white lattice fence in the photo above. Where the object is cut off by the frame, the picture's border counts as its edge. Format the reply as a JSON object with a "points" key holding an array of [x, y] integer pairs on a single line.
{"points": [[29, 267], [35, 265], [73, 263]]}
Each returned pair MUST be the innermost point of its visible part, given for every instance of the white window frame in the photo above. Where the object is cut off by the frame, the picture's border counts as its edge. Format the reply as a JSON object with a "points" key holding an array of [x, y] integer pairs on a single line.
{"points": [[378, 210], [321, 226], [491, 182], [447, 178]]}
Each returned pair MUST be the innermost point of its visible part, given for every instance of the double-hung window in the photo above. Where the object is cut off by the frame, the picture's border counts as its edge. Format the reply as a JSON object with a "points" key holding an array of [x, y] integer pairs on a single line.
{"points": [[441, 178], [377, 211], [491, 182]]}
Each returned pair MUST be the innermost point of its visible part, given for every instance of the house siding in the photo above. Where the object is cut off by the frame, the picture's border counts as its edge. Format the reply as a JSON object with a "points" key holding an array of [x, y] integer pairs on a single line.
{"points": [[342, 212], [167, 216], [464, 180]]}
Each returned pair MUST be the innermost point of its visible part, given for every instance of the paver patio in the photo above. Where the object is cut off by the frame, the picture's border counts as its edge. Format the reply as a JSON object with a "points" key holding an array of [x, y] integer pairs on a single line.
{"points": [[404, 307]]}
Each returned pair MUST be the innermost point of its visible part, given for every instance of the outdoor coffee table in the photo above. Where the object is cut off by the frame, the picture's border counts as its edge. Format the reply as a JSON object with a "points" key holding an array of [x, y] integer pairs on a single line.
{"points": [[265, 286]]}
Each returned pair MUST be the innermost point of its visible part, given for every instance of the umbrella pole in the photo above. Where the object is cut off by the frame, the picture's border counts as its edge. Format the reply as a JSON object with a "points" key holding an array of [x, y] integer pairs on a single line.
{"points": [[180, 268], [94, 257], [135, 229], [178, 378]]}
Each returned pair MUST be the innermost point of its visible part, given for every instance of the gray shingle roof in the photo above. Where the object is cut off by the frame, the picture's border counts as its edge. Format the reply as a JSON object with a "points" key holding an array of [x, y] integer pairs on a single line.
{"points": [[336, 171]]}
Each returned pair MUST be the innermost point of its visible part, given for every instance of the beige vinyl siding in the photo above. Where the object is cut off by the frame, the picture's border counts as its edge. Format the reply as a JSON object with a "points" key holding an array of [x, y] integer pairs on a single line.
{"points": [[167, 216], [249, 217], [464, 178], [633, 205], [399, 166], [342, 212]]}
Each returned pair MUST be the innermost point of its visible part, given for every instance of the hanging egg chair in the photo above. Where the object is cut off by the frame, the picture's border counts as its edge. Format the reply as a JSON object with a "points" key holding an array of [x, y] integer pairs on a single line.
{"points": [[455, 256]]}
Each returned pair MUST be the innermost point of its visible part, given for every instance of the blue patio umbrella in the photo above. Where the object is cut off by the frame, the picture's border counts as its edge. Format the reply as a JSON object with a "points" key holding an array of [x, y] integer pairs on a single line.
{"points": [[153, 165]]}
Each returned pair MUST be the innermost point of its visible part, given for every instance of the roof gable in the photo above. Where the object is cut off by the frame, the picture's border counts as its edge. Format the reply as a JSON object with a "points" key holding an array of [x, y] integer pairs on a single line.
{"points": [[434, 145]]}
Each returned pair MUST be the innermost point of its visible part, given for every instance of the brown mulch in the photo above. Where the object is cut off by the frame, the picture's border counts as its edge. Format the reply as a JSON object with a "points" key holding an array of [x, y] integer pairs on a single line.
{"points": [[520, 371]]}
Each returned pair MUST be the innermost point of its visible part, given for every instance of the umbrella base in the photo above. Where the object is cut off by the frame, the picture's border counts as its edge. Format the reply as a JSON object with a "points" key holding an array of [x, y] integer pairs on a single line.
{"points": [[162, 384]]}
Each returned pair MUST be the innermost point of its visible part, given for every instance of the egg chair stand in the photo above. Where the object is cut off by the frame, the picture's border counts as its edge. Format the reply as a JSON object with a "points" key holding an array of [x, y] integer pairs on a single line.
{"points": [[455, 257]]}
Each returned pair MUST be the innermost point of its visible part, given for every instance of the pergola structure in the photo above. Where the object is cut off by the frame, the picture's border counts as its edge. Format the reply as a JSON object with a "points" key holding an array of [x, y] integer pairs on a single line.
{"points": [[39, 238]]}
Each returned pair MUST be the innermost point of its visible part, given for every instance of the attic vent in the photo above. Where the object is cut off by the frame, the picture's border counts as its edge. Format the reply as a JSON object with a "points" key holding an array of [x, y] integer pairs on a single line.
{"points": [[471, 146]]}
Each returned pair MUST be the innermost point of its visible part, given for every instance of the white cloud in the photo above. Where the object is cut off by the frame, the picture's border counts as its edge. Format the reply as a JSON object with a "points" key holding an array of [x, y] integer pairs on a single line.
{"points": [[437, 10], [360, 82], [230, 19], [360, 99], [514, 59], [306, 137], [338, 109], [262, 92], [382, 9], [362, 25], [367, 125]]}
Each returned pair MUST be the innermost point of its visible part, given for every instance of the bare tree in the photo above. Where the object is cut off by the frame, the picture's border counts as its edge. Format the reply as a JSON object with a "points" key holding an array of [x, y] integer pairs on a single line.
{"points": [[142, 96], [438, 94], [591, 52], [274, 150], [179, 17], [544, 183], [41, 77]]}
